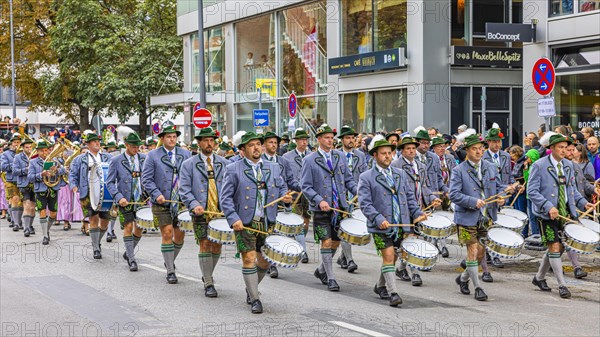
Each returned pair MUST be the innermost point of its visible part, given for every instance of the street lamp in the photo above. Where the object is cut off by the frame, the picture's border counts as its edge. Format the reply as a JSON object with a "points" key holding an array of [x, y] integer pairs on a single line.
{"points": [[12, 61]]}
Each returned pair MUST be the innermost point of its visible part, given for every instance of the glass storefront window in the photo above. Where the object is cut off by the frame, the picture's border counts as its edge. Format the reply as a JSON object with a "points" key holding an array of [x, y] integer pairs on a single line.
{"points": [[255, 45], [560, 7], [586, 6], [312, 112], [214, 60], [304, 49], [219, 112], [373, 25], [375, 111], [482, 11], [577, 100]]}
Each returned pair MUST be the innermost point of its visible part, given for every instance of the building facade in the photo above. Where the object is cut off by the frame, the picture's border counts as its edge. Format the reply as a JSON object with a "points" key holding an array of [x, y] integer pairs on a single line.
{"points": [[377, 65]]}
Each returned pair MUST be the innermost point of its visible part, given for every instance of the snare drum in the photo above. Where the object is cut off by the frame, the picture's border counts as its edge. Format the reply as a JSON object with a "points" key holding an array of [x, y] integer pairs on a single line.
{"points": [[358, 215], [185, 221], [509, 222], [504, 243], [289, 224], [421, 254], [593, 225], [282, 251], [354, 232], [581, 239], [220, 232], [144, 218], [446, 214], [436, 227], [100, 198], [515, 213]]}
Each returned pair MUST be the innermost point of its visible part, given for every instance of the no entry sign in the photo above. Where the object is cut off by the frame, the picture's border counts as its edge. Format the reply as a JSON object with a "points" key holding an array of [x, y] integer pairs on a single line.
{"points": [[202, 118]]}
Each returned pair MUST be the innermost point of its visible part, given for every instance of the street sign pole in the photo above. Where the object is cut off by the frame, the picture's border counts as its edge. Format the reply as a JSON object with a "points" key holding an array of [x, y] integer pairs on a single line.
{"points": [[259, 129], [201, 66], [483, 99]]}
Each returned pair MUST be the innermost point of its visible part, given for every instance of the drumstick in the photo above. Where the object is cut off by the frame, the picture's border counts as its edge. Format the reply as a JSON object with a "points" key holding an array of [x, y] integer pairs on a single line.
{"points": [[516, 197], [428, 207], [173, 202], [587, 213], [494, 196], [278, 200], [213, 213], [353, 200], [340, 211], [565, 218], [401, 225], [255, 230], [297, 199]]}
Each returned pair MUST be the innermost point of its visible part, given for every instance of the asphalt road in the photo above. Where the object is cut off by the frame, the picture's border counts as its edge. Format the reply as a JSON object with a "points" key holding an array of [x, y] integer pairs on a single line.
{"points": [[59, 290]]}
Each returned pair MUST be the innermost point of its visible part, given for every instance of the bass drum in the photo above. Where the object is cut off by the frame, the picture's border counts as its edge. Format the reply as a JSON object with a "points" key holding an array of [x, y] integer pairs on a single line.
{"points": [[100, 198]]}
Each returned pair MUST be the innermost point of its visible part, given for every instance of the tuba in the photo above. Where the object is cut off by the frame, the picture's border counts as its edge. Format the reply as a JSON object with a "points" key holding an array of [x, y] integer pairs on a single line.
{"points": [[53, 180]]}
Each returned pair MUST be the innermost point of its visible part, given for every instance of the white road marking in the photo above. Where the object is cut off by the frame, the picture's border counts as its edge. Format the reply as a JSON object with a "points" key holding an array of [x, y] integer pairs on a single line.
{"points": [[161, 269], [358, 329]]}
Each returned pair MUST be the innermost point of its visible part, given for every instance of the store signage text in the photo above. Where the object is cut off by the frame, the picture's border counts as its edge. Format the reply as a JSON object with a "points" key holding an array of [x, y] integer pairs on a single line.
{"points": [[379, 60], [487, 56]]}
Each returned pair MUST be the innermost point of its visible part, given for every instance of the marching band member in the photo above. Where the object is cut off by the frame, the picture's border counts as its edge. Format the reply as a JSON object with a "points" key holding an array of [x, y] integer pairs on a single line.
{"points": [[325, 182], [236, 140], [417, 172], [20, 168], [471, 183], [160, 179], [45, 196], [270, 144], [552, 190], [250, 184], [294, 159], [201, 183], [447, 164], [64, 212], [501, 159], [150, 144], [386, 196], [112, 149], [13, 195], [125, 186], [357, 164], [79, 176]]}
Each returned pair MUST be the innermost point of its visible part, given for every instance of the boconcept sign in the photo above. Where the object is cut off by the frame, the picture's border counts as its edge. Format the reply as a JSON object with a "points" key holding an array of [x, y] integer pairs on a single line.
{"points": [[509, 32]]}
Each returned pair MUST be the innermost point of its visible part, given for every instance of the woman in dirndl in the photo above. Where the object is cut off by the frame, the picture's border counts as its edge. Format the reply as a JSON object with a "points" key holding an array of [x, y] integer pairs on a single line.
{"points": [[65, 207]]}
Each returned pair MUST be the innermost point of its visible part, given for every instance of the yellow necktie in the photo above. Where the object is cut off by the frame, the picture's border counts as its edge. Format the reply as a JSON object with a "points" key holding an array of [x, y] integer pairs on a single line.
{"points": [[212, 204]]}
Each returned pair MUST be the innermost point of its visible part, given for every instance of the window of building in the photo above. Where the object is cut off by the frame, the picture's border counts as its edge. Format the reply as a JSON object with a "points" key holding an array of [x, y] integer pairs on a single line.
{"points": [[214, 60], [312, 112], [188, 6], [373, 25], [479, 12], [219, 112], [375, 111], [565, 7]]}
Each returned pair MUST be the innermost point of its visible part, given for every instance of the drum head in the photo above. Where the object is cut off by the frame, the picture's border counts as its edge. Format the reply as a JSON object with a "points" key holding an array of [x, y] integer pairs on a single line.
{"points": [[420, 248], [284, 245], [287, 218], [453, 207], [508, 221], [582, 234], [593, 225], [354, 227], [184, 216], [505, 237], [437, 221], [358, 215], [445, 214], [514, 213], [144, 213], [95, 188], [220, 224]]}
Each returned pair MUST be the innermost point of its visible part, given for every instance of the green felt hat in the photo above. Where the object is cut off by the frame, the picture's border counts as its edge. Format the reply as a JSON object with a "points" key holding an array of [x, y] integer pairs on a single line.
{"points": [[300, 134], [323, 129], [438, 141], [133, 139], [422, 134], [251, 136], [555, 139], [225, 147], [347, 131], [15, 136], [380, 143], [473, 140], [494, 134], [206, 132], [111, 144], [169, 129], [90, 137], [271, 134], [285, 136], [150, 141], [408, 141], [41, 144], [292, 146]]}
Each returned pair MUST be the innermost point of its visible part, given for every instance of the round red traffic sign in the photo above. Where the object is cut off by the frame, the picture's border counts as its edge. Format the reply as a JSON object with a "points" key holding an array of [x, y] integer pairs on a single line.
{"points": [[292, 105], [202, 118], [543, 76]]}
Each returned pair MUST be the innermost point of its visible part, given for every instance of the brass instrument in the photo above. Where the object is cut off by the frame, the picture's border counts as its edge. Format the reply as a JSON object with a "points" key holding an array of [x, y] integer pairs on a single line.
{"points": [[76, 151], [53, 180]]}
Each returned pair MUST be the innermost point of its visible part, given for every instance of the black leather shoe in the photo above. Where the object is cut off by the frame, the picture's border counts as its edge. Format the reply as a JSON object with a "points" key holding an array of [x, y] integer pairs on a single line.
{"points": [[112, 234], [487, 277], [273, 272], [97, 255], [395, 300], [341, 261], [304, 258], [333, 286], [463, 264], [480, 294], [497, 263], [45, 240], [322, 277], [445, 252], [11, 225], [402, 274], [248, 299], [210, 291], [171, 278], [541, 284], [352, 266], [20, 227], [15, 228], [564, 292], [31, 230], [133, 266], [108, 237], [416, 280], [464, 286], [382, 292], [125, 257], [257, 307], [26, 232], [579, 273]]}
